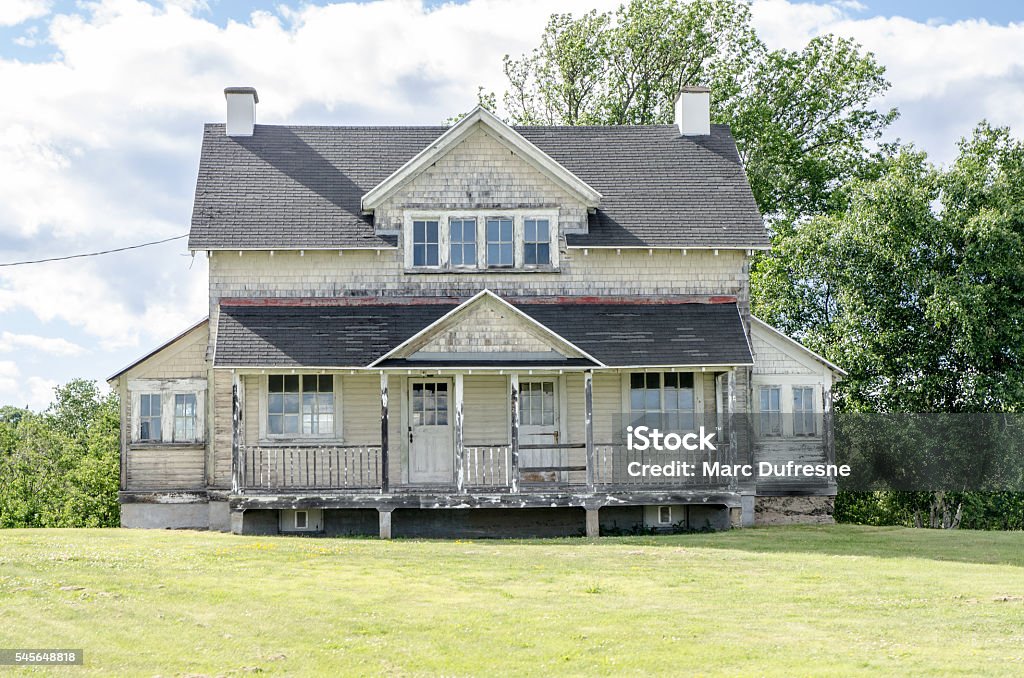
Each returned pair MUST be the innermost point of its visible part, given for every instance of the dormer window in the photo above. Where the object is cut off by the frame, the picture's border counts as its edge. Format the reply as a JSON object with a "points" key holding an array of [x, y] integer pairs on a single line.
{"points": [[464, 240], [425, 243], [500, 244]]}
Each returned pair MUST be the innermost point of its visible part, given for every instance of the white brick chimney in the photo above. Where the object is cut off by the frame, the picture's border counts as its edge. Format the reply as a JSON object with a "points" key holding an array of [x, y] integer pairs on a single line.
{"points": [[241, 110], [693, 111]]}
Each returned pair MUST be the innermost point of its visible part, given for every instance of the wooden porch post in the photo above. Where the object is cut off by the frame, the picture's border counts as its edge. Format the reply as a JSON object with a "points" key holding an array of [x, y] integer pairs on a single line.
{"points": [[514, 404], [460, 471], [731, 419], [384, 470], [236, 434], [588, 426]]}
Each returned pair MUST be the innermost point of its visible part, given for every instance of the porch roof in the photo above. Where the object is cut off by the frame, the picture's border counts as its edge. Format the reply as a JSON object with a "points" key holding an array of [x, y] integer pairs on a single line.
{"points": [[348, 333]]}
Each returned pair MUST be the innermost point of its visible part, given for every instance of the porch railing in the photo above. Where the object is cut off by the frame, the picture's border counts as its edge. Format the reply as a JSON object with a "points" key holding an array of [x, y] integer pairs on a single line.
{"points": [[328, 467]]}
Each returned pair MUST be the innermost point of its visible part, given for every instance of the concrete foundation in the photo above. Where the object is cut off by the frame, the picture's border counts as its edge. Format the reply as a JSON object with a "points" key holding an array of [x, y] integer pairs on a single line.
{"points": [[507, 523], [260, 522], [794, 510], [219, 516], [195, 516]]}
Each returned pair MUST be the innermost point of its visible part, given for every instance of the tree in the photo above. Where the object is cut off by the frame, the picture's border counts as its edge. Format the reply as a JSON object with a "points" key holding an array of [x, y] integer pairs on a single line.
{"points": [[802, 120], [59, 468], [917, 288]]}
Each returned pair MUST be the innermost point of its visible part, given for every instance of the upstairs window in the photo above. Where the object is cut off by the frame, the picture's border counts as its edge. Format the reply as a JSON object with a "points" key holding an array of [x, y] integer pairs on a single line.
{"points": [[149, 417], [425, 243], [536, 242], [500, 244], [462, 248]]}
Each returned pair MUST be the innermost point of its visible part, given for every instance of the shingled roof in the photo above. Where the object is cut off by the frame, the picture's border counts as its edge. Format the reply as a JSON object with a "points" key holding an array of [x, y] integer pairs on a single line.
{"points": [[290, 187], [618, 334]]}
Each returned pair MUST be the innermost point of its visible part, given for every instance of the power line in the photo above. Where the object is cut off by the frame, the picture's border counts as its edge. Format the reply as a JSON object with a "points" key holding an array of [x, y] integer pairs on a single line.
{"points": [[94, 254]]}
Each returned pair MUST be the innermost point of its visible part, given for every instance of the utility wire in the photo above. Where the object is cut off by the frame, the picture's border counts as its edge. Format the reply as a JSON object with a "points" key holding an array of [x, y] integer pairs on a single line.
{"points": [[94, 254]]}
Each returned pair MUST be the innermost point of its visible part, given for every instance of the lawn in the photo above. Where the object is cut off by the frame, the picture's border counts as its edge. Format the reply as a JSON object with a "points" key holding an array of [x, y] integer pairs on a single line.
{"points": [[834, 600]]}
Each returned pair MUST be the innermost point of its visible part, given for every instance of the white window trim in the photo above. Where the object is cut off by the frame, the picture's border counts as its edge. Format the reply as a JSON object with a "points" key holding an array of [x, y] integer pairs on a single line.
{"points": [[698, 390], [444, 217], [167, 389], [813, 412], [266, 436], [664, 522]]}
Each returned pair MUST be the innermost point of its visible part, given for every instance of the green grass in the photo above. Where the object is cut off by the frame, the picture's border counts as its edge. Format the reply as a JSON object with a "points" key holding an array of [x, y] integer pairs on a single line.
{"points": [[835, 600]]}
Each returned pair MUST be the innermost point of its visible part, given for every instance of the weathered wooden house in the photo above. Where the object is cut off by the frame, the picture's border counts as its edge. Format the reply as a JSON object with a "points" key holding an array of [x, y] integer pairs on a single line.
{"points": [[430, 330]]}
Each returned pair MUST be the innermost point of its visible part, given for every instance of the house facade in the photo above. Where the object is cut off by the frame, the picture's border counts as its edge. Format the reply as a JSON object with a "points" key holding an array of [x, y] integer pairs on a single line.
{"points": [[430, 330]]}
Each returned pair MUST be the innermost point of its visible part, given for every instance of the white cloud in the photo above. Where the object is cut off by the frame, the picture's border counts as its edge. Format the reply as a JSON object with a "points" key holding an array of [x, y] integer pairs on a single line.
{"points": [[33, 392], [52, 345], [14, 12], [99, 146]]}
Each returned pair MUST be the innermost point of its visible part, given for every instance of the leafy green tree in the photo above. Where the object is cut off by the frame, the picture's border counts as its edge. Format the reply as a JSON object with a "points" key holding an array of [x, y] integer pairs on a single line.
{"points": [[60, 468], [917, 288], [802, 120]]}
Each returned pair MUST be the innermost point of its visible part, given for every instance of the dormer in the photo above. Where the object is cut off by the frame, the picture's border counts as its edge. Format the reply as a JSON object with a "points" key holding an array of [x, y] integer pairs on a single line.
{"points": [[481, 197]]}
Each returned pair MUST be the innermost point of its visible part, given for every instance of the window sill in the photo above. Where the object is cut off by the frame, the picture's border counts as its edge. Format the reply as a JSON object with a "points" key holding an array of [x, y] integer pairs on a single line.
{"points": [[149, 445], [478, 271], [299, 442]]}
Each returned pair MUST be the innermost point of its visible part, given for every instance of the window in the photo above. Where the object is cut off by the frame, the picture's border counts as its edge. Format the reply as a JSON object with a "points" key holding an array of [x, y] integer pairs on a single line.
{"points": [[300, 404], [536, 242], [771, 410], [185, 417], [149, 417], [803, 411], [664, 515], [430, 404], [462, 244], [662, 400], [301, 520], [425, 243], [499, 242], [537, 403]]}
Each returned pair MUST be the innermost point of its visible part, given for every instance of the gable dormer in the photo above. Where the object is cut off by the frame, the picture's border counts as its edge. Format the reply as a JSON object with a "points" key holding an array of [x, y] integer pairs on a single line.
{"points": [[481, 197]]}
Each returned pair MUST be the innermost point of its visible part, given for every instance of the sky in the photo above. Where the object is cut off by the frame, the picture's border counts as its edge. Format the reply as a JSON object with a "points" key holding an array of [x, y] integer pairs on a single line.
{"points": [[102, 105]]}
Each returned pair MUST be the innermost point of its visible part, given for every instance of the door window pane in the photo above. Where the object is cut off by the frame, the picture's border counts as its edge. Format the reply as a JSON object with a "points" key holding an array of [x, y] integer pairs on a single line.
{"points": [[430, 404], [537, 403]]}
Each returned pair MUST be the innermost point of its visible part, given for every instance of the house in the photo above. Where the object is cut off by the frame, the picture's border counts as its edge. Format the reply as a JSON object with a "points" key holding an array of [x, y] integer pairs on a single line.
{"points": [[430, 330]]}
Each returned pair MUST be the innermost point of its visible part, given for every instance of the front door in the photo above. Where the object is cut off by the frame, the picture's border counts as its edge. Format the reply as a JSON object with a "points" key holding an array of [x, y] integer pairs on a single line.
{"points": [[538, 425], [431, 449]]}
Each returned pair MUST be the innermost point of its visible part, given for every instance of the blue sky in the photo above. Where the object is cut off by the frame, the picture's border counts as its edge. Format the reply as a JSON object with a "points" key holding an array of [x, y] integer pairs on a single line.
{"points": [[104, 103]]}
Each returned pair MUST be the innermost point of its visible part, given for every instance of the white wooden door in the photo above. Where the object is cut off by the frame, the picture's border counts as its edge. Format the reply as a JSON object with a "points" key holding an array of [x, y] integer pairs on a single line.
{"points": [[431, 447], [538, 425]]}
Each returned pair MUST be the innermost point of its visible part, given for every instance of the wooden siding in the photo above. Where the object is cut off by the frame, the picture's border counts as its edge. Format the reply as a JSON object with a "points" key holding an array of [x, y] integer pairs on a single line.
{"points": [[166, 468]]}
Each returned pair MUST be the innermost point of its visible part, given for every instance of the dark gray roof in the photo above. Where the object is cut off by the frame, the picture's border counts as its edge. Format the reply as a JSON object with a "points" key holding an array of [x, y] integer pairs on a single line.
{"points": [[294, 187], [617, 334]]}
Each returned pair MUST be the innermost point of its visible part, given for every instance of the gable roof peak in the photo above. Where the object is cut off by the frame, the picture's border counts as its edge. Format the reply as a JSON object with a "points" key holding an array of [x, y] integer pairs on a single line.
{"points": [[506, 135]]}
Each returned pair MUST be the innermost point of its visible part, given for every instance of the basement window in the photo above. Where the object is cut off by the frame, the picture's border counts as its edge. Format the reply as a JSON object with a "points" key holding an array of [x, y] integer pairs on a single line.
{"points": [[664, 515], [301, 520]]}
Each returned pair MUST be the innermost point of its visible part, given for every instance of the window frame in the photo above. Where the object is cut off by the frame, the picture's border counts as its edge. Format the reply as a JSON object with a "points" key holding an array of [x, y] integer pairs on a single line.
{"points": [[427, 243], [536, 243], [665, 522], [695, 412], [462, 243], [777, 428], [148, 397], [167, 389], [266, 436], [804, 414], [444, 218]]}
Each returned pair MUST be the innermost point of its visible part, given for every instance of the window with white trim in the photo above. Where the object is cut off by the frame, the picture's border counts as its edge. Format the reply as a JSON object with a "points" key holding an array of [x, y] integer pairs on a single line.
{"points": [[803, 411], [300, 405], [462, 242], [500, 243], [426, 243], [770, 406], [186, 417], [167, 411], [536, 242], [664, 515], [150, 418], [537, 403], [662, 399]]}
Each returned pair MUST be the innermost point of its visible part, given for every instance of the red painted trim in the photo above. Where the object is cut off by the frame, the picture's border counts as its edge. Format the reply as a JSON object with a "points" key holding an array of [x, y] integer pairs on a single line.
{"points": [[426, 301]]}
